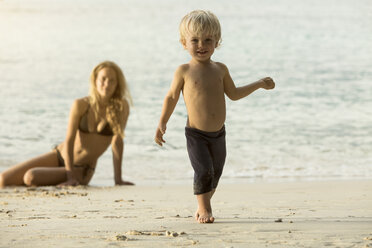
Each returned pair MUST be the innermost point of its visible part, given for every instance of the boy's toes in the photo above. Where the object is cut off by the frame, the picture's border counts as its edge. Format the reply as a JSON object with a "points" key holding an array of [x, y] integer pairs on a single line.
{"points": [[204, 219], [196, 216]]}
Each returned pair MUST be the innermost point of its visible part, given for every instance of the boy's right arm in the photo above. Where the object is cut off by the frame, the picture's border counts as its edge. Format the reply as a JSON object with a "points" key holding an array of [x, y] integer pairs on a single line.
{"points": [[169, 104]]}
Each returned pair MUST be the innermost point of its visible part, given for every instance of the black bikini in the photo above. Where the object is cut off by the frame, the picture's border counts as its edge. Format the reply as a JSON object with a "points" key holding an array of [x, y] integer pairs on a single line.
{"points": [[61, 163], [83, 125]]}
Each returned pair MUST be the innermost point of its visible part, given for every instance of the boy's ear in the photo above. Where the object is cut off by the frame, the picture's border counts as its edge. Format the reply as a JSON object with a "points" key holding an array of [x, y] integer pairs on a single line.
{"points": [[183, 42]]}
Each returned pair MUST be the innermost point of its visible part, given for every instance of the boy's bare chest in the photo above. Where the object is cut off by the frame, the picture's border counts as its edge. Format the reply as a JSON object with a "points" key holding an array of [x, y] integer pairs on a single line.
{"points": [[204, 81]]}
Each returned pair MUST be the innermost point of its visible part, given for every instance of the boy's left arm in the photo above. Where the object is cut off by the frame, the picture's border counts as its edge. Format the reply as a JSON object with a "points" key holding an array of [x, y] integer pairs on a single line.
{"points": [[236, 93]]}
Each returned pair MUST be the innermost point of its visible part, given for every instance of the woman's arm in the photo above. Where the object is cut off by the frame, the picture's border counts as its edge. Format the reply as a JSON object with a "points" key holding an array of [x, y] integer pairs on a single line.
{"points": [[72, 127], [117, 145]]}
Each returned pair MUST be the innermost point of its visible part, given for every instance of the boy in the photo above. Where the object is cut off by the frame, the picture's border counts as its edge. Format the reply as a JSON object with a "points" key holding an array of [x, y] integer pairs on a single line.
{"points": [[204, 84]]}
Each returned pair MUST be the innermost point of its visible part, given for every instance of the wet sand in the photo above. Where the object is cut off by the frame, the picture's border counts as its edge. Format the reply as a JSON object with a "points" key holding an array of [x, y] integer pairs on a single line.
{"points": [[291, 214]]}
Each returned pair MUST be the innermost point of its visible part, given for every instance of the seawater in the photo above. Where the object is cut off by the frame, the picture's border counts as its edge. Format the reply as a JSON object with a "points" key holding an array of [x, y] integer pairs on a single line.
{"points": [[315, 125]]}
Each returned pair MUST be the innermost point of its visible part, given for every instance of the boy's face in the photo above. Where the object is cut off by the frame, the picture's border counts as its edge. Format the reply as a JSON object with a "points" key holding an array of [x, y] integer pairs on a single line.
{"points": [[200, 47]]}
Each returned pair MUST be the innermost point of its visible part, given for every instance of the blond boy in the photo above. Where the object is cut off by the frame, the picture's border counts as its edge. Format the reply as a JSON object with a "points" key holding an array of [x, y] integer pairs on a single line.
{"points": [[204, 83]]}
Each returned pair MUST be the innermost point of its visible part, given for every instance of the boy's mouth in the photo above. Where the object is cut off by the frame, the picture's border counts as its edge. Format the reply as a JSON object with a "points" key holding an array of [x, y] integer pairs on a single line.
{"points": [[201, 52]]}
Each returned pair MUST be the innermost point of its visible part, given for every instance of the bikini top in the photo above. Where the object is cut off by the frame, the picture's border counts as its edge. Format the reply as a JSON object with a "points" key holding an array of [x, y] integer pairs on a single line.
{"points": [[83, 125]]}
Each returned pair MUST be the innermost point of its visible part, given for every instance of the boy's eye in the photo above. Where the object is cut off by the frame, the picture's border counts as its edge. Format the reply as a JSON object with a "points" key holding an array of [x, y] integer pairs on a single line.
{"points": [[194, 40]]}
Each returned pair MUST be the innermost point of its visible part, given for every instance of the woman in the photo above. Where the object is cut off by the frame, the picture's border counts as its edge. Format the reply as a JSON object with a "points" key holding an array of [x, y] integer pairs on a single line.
{"points": [[95, 122]]}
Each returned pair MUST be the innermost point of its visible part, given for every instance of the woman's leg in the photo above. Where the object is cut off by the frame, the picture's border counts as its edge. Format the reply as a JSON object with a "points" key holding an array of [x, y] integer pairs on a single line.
{"points": [[15, 175], [44, 176]]}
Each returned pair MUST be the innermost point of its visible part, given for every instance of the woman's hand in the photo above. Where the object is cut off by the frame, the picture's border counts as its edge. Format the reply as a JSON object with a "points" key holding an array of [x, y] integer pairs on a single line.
{"points": [[121, 182], [69, 182]]}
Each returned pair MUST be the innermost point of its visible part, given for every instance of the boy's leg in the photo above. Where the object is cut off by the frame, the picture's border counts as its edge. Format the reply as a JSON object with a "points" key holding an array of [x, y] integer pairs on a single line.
{"points": [[218, 151], [201, 161], [204, 212]]}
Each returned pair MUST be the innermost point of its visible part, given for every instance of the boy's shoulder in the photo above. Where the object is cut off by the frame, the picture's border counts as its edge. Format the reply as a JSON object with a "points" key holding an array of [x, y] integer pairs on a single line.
{"points": [[183, 67], [221, 66]]}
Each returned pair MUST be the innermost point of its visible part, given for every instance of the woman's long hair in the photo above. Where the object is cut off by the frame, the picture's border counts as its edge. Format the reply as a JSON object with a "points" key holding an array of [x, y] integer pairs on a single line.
{"points": [[114, 109]]}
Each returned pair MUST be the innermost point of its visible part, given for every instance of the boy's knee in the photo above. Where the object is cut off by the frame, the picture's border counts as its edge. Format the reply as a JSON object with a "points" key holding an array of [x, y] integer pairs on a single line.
{"points": [[205, 176], [29, 177]]}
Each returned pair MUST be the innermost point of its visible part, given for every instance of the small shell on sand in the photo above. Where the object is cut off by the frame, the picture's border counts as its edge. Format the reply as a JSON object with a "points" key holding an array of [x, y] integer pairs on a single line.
{"points": [[120, 237], [134, 232], [174, 234], [171, 234], [155, 233]]}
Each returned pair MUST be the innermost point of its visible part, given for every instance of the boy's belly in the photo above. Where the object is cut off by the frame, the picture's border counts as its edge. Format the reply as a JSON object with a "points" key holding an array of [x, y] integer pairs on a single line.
{"points": [[206, 119]]}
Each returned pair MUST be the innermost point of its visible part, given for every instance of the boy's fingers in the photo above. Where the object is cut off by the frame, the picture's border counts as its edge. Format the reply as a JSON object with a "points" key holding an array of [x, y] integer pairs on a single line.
{"points": [[158, 142]]}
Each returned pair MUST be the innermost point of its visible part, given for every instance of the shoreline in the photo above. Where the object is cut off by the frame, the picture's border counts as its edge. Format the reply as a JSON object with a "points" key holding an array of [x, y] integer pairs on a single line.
{"points": [[109, 182], [281, 214]]}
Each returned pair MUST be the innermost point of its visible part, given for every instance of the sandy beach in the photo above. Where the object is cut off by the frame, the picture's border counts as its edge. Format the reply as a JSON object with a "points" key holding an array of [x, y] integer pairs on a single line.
{"points": [[291, 214]]}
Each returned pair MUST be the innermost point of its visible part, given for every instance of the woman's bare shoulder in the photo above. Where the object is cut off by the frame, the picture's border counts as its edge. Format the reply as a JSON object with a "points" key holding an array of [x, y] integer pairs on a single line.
{"points": [[81, 104], [126, 105]]}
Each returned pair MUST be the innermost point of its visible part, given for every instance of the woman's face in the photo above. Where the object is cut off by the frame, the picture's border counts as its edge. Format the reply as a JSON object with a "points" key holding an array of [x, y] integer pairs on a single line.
{"points": [[106, 82]]}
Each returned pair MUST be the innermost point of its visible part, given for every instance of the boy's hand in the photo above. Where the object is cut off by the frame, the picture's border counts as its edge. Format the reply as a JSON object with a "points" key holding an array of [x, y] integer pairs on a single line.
{"points": [[160, 131], [267, 83]]}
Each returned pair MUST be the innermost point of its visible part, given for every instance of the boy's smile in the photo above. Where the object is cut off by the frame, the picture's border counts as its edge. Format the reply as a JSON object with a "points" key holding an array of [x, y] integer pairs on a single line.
{"points": [[201, 48], [202, 52]]}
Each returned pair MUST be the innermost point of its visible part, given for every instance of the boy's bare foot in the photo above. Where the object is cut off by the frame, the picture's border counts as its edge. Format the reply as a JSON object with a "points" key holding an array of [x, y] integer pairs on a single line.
{"points": [[197, 215], [204, 216], [204, 212]]}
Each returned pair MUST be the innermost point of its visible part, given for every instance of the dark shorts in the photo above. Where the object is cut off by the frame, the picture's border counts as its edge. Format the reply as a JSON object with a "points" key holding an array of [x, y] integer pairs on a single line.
{"points": [[207, 153]]}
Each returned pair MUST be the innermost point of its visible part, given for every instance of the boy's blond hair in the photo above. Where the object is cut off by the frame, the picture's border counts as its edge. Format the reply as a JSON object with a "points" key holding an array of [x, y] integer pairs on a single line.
{"points": [[200, 22]]}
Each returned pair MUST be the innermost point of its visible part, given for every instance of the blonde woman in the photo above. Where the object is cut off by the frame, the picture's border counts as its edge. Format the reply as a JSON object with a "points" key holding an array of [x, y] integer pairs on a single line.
{"points": [[95, 122]]}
